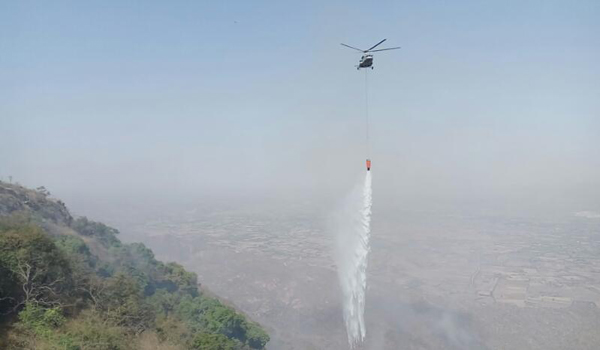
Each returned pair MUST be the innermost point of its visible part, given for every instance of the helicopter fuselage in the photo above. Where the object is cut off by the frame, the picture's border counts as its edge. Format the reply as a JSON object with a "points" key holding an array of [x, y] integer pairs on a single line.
{"points": [[366, 61]]}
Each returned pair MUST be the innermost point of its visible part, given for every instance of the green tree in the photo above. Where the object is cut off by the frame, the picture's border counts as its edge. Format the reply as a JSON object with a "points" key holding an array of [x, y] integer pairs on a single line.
{"points": [[105, 234], [257, 338], [208, 341], [124, 305], [35, 270], [91, 331], [39, 320]]}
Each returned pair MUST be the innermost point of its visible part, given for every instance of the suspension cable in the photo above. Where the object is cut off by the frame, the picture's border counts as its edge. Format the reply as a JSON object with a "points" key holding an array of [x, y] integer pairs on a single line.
{"points": [[368, 148]]}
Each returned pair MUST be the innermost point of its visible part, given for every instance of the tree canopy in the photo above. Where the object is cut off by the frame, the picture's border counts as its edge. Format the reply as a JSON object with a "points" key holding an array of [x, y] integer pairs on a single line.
{"points": [[79, 287]]}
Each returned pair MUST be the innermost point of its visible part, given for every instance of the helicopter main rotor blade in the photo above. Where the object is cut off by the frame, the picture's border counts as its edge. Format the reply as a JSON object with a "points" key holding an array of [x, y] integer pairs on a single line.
{"points": [[391, 48], [352, 47], [374, 46]]}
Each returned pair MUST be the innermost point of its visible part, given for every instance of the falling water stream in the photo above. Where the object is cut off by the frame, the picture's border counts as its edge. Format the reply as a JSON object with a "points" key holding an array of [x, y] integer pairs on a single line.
{"points": [[353, 230]]}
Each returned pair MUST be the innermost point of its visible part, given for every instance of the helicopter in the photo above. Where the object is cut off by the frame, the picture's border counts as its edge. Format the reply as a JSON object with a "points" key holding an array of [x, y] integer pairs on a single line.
{"points": [[366, 60]]}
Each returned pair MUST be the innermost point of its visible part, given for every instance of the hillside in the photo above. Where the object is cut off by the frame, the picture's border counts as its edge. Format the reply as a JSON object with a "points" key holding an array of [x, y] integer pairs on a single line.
{"points": [[69, 283]]}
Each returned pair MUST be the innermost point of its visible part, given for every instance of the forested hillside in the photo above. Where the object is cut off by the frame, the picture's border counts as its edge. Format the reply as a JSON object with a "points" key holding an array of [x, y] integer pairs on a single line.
{"points": [[69, 283]]}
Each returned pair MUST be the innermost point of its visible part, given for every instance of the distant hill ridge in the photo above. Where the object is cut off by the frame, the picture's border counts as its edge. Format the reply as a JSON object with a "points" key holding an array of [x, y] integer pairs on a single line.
{"points": [[70, 283]]}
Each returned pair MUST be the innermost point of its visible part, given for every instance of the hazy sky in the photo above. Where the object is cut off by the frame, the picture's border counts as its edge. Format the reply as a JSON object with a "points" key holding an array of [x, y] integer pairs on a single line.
{"points": [[485, 100]]}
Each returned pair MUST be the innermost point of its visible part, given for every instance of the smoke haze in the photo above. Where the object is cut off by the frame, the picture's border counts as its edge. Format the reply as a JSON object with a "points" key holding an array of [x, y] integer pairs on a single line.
{"points": [[502, 115], [224, 134]]}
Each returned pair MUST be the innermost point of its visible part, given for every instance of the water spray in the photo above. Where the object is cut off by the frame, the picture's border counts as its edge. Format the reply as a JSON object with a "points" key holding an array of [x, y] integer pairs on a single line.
{"points": [[352, 251]]}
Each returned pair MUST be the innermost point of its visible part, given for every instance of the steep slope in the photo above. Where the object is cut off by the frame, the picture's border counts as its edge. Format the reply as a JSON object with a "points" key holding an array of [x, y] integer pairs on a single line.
{"points": [[69, 283]]}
